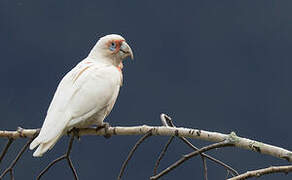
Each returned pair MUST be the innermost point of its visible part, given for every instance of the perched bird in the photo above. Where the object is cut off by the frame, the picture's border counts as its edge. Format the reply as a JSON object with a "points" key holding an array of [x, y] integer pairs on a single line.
{"points": [[86, 94]]}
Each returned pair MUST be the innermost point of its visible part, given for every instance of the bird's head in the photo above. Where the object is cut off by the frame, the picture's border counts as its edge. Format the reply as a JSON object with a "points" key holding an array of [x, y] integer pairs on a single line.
{"points": [[113, 47]]}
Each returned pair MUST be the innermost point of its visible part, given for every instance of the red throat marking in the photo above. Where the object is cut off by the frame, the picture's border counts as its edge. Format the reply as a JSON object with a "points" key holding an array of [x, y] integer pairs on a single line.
{"points": [[120, 67]]}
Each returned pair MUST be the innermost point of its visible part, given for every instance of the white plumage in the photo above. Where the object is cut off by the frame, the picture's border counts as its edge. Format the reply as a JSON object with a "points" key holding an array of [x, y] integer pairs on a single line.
{"points": [[86, 95]]}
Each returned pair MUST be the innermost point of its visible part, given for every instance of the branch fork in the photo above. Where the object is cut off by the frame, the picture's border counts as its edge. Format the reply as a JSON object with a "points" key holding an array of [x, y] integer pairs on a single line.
{"points": [[168, 129]]}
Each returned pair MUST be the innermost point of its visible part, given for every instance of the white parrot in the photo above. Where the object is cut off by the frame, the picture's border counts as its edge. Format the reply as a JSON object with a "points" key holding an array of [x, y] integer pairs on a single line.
{"points": [[86, 94]]}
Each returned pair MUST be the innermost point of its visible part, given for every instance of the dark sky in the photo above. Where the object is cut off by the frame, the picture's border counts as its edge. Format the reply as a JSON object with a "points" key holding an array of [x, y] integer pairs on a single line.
{"points": [[215, 65]]}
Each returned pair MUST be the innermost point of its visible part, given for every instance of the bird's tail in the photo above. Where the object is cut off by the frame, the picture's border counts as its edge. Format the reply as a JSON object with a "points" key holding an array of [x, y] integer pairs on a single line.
{"points": [[43, 147], [51, 131]]}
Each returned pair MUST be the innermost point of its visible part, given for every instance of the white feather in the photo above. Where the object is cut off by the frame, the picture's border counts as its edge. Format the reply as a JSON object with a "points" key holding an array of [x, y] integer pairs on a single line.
{"points": [[86, 94], [87, 90]]}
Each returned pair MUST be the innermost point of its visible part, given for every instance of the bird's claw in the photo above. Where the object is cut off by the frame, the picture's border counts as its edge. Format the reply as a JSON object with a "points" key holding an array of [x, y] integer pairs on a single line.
{"points": [[75, 132], [105, 126]]}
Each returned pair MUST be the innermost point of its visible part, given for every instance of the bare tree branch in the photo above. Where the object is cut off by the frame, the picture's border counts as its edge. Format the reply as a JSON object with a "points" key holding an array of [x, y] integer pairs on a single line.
{"points": [[205, 167], [260, 172], [225, 143], [168, 129], [167, 121], [11, 166], [227, 167], [65, 156], [9, 142], [171, 131], [161, 155], [148, 134]]}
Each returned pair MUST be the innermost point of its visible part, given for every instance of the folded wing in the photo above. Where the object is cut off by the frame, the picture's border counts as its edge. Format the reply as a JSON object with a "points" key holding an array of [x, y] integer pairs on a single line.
{"points": [[84, 91]]}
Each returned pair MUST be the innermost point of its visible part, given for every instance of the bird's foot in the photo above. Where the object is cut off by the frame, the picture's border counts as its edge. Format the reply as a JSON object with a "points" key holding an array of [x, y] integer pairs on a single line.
{"points": [[104, 126], [75, 132]]}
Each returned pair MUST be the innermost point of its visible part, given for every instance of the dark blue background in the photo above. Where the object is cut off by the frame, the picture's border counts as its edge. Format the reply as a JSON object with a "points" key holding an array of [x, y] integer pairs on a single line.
{"points": [[215, 65]]}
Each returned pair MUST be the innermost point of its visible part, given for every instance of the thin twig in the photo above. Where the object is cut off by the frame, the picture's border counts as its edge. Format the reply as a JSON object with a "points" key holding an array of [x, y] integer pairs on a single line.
{"points": [[74, 134], [167, 121], [72, 168], [227, 174], [65, 156], [162, 155], [148, 134], [192, 154], [227, 167], [11, 175], [11, 166], [205, 167], [260, 172], [9, 142], [50, 165]]}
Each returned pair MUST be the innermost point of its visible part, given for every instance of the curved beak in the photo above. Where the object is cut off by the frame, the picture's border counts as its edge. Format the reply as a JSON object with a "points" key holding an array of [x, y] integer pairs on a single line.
{"points": [[126, 49]]}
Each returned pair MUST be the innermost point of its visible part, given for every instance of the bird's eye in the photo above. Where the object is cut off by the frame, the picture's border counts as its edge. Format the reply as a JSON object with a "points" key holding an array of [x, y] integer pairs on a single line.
{"points": [[113, 46]]}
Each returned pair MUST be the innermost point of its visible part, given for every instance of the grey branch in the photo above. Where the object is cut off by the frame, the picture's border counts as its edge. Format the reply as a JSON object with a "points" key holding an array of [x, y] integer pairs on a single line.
{"points": [[172, 131], [161, 155], [20, 153], [260, 172], [148, 134], [225, 143], [10, 140], [65, 156], [167, 121]]}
